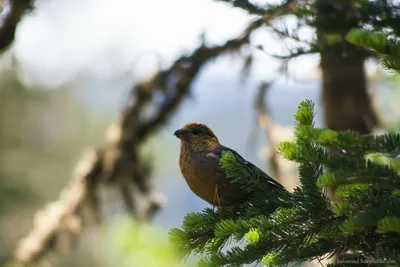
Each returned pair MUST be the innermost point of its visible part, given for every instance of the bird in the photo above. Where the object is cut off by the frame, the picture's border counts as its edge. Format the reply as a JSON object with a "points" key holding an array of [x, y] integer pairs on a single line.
{"points": [[199, 162]]}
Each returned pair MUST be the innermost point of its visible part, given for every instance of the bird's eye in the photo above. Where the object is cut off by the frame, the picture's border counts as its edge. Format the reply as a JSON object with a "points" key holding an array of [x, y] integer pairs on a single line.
{"points": [[196, 131]]}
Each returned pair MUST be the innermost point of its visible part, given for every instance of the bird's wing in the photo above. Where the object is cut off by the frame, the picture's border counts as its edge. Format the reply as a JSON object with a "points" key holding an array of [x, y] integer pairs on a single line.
{"points": [[265, 177]]}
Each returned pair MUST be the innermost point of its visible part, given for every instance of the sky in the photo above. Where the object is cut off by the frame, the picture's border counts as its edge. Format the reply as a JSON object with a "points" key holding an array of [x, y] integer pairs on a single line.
{"points": [[64, 40]]}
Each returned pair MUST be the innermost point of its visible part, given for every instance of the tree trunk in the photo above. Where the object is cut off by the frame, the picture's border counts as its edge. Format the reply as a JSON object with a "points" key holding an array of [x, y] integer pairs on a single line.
{"points": [[347, 104]]}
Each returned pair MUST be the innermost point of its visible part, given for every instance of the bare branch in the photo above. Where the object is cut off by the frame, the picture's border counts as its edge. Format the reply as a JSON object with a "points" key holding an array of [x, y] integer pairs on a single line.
{"points": [[284, 33], [12, 12], [246, 5], [266, 124], [295, 53], [118, 163], [61, 215], [275, 133]]}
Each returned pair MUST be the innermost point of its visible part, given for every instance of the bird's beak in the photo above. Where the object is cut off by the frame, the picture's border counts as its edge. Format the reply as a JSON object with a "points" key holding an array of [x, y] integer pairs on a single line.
{"points": [[179, 133]]}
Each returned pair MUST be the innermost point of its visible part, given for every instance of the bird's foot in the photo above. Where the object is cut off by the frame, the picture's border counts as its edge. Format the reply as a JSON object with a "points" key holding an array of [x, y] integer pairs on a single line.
{"points": [[216, 197]]}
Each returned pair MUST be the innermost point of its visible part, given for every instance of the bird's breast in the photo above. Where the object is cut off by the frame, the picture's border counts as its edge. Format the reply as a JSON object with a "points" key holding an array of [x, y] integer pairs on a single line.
{"points": [[203, 174]]}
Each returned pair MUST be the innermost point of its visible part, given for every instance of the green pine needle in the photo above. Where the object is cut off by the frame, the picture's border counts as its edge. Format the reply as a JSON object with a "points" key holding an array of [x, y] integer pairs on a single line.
{"points": [[389, 224], [304, 225]]}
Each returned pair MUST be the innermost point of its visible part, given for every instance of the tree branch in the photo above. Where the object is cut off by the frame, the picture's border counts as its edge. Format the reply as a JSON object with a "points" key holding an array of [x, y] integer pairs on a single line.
{"points": [[118, 163], [12, 10], [275, 134], [266, 124]]}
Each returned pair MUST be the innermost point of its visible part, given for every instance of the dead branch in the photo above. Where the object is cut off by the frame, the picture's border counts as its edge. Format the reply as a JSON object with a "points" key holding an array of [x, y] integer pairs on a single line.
{"points": [[61, 215], [267, 125], [281, 169], [118, 163]]}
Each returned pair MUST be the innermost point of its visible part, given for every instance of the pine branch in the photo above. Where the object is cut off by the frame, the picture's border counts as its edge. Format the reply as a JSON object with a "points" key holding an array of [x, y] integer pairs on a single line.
{"points": [[387, 46], [389, 224], [304, 225]]}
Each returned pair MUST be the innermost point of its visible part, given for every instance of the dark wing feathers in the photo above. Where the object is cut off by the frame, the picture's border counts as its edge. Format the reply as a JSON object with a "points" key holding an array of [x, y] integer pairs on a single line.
{"points": [[265, 177]]}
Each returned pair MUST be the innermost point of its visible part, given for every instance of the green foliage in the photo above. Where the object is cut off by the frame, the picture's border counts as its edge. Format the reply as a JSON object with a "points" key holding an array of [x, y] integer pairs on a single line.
{"points": [[237, 171], [384, 44], [332, 20], [128, 243], [304, 225], [248, 176], [389, 224]]}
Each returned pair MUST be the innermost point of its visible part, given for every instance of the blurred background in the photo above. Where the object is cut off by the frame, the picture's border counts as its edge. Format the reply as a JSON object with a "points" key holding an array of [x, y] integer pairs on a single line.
{"points": [[92, 91]]}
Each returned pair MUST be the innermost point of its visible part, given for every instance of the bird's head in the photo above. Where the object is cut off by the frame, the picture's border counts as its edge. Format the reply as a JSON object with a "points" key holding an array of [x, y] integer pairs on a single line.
{"points": [[197, 137]]}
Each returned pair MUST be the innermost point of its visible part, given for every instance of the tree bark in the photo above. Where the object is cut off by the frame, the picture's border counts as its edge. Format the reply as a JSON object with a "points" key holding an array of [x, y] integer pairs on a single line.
{"points": [[347, 104]]}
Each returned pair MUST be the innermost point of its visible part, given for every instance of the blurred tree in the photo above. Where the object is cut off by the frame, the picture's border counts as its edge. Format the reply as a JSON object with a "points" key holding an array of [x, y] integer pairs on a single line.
{"points": [[119, 164], [41, 132], [11, 12], [347, 102], [345, 96]]}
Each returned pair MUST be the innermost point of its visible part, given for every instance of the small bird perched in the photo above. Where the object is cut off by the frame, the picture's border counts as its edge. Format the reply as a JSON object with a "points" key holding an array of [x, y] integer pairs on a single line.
{"points": [[199, 161]]}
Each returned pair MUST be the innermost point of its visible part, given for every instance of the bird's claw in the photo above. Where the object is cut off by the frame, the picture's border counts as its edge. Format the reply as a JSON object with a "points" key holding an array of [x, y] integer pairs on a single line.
{"points": [[216, 197]]}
